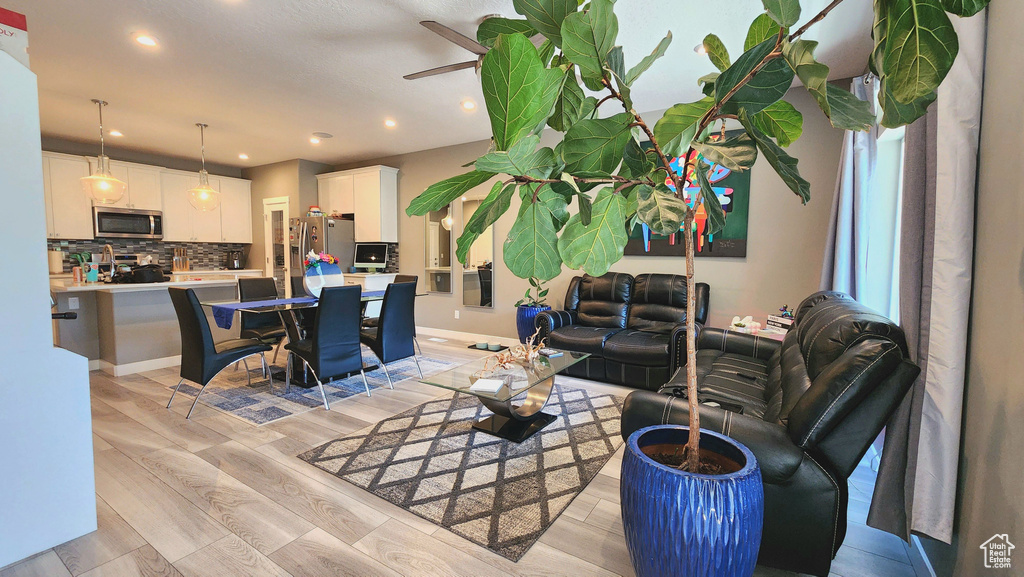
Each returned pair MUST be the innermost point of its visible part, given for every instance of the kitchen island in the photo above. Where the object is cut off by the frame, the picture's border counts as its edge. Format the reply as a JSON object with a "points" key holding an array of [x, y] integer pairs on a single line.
{"points": [[130, 328]]}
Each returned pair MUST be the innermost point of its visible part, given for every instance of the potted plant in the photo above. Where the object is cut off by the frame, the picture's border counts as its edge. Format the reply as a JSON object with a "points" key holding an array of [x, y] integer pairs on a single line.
{"points": [[617, 181], [527, 308]]}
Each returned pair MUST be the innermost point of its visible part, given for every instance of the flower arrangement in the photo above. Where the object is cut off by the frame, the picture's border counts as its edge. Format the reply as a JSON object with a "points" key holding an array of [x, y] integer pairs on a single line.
{"points": [[314, 260]]}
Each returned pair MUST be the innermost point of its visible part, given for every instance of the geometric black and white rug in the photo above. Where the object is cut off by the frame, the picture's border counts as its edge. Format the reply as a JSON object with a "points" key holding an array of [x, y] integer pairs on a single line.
{"points": [[496, 493]]}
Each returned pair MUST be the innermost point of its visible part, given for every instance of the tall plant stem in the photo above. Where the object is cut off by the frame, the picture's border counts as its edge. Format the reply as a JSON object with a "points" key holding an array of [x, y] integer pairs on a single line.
{"points": [[693, 443], [821, 16]]}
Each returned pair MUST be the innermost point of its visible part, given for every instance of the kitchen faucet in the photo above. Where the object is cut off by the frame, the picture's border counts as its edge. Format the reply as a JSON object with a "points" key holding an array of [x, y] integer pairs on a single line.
{"points": [[108, 248]]}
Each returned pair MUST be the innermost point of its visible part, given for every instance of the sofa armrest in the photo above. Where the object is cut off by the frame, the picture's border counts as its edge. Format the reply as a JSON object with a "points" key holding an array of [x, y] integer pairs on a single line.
{"points": [[548, 321], [677, 345], [738, 343], [775, 452]]}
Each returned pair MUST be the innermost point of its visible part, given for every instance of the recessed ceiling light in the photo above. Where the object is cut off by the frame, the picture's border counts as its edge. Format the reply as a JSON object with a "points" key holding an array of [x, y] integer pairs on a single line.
{"points": [[468, 104], [314, 140], [243, 156], [390, 123], [116, 133], [146, 40], [323, 135], [700, 49]]}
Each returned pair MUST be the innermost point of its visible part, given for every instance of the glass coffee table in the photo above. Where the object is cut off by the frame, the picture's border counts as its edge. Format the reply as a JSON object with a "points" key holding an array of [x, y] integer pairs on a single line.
{"points": [[517, 404]]}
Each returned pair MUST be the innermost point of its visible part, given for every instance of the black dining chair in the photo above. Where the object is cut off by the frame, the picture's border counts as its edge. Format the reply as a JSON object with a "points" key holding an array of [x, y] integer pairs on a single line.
{"points": [[371, 322], [392, 339], [202, 359], [304, 317], [264, 327], [332, 348], [485, 275]]}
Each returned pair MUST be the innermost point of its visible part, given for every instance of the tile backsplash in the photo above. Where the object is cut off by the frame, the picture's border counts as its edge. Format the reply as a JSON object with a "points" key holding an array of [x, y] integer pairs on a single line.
{"points": [[205, 256]]}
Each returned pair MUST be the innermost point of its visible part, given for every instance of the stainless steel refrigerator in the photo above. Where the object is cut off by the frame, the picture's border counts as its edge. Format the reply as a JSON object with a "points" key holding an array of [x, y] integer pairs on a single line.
{"points": [[320, 234]]}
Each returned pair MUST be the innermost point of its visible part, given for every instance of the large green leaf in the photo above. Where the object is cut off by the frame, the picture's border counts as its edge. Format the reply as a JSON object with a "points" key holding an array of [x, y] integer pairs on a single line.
{"points": [[588, 37], [712, 204], [546, 16], [677, 127], [766, 88], [596, 145], [464, 243], [920, 47], [964, 7], [597, 247], [785, 12], [717, 52], [785, 165], [531, 249], [487, 33], [569, 107], [635, 159], [660, 209], [552, 81], [880, 35], [442, 193], [761, 29], [738, 153], [895, 113], [847, 111], [514, 85], [781, 121], [556, 203], [616, 66], [707, 83], [516, 161], [490, 210], [813, 74], [647, 61]]}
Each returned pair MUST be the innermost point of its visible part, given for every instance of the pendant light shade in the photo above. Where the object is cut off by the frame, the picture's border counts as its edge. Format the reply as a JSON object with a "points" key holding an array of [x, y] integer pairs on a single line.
{"points": [[448, 221], [203, 197], [101, 186]]}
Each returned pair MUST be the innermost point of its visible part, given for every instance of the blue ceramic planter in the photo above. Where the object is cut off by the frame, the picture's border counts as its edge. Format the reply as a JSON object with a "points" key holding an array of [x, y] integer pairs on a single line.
{"points": [[526, 318], [687, 525]]}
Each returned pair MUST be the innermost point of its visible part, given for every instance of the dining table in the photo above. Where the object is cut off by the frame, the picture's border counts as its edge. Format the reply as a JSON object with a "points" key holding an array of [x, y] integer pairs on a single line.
{"points": [[224, 311]]}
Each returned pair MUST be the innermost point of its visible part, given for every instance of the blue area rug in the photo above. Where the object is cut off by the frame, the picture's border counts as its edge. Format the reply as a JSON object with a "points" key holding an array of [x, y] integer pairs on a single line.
{"points": [[260, 404]]}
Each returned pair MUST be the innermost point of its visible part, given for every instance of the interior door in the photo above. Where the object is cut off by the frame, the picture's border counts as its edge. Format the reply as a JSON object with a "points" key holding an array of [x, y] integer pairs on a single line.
{"points": [[275, 235]]}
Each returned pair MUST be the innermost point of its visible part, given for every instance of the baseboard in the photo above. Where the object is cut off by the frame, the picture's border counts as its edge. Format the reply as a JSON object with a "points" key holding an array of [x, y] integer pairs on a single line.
{"points": [[94, 364], [919, 558], [468, 338], [138, 367]]}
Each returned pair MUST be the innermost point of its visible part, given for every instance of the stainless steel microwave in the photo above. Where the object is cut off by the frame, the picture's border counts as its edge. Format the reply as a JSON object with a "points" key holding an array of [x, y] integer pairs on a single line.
{"points": [[113, 222]]}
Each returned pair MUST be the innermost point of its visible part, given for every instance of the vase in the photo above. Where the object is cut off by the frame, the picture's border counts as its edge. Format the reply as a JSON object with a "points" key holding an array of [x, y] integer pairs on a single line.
{"points": [[526, 320], [320, 276], [685, 524]]}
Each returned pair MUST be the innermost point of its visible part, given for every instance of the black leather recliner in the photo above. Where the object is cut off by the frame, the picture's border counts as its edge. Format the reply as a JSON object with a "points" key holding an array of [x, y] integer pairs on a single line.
{"points": [[808, 408], [634, 329]]}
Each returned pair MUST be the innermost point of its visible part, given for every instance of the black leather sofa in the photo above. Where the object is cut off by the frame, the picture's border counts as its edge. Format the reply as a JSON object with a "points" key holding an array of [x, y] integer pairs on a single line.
{"points": [[633, 328], [808, 408]]}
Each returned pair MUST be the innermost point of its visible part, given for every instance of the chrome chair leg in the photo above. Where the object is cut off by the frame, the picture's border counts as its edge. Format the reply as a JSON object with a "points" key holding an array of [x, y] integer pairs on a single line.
{"points": [[418, 369], [365, 384], [266, 371], [176, 392], [288, 374], [385, 367], [236, 365], [419, 351], [196, 402], [277, 349]]}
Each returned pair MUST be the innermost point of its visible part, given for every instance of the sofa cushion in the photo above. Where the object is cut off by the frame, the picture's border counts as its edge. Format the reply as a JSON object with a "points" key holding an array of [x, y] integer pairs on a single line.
{"points": [[581, 339], [604, 300], [658, 302], [729, 378], [644, 348]]}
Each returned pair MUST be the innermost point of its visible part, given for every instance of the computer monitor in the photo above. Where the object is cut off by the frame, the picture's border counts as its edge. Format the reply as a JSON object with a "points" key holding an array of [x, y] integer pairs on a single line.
{"points": [[371, 255]]}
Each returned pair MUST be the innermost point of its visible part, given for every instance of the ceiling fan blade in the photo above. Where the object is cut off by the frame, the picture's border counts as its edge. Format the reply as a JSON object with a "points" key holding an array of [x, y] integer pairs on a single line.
{"points": [[441, 70], [453, 36]]}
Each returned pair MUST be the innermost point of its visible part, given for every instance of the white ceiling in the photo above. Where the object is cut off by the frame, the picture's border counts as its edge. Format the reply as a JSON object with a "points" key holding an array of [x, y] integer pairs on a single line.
{"points": [[265, 75]]}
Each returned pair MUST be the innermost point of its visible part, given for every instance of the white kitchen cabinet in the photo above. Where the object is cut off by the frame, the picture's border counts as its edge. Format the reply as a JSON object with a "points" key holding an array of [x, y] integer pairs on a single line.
{"points": [[205, 224], [182, 222], [370, 193], [235, 210], [68, 209], [143, 192]]}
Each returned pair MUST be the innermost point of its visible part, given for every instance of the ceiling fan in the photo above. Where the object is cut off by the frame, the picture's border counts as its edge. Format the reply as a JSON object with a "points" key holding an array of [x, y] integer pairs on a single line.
{"points": [[452, 36], [464, 41]]}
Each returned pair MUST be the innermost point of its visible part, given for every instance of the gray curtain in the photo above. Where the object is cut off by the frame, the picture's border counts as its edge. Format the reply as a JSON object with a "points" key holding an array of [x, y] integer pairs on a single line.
{"points": [[846, 248]]}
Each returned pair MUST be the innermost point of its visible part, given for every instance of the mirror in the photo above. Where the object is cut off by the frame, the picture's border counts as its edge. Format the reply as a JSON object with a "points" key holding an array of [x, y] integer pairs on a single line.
{"points": [[478, 272], [438, 244]]}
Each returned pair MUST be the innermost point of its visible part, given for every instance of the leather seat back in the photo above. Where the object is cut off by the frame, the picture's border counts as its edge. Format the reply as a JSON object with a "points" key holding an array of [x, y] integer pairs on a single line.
{"points": [[658, 302], [604, 301]]}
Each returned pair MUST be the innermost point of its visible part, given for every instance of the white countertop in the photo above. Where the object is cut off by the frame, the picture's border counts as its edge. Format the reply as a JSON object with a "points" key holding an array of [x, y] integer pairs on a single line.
{"points": [[60, 286]]}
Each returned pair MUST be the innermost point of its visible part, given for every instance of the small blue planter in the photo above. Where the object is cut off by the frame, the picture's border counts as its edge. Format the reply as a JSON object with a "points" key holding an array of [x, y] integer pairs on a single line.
{"points": [[526, 319], [688, 525]]}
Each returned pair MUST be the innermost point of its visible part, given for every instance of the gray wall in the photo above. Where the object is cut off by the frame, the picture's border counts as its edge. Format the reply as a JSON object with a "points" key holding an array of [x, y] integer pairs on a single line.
{"points": [[991, 489], [784, 255]]}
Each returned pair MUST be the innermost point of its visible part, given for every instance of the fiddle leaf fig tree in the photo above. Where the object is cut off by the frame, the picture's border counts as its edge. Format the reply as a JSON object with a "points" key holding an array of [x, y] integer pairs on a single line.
{"points": [[619, 171]]}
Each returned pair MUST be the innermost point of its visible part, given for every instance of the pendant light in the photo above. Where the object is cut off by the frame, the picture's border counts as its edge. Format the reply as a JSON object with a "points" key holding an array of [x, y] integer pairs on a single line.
{"points": [[448, 221], [203, 197], [101, 186]]}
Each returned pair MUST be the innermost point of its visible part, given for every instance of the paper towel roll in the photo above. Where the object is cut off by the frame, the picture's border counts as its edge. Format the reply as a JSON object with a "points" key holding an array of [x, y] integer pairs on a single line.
{"points": [[56, 260]]}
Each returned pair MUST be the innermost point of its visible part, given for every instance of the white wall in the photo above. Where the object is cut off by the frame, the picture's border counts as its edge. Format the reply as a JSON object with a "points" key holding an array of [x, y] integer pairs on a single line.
{"points": [[47, 488], [784, 251]]}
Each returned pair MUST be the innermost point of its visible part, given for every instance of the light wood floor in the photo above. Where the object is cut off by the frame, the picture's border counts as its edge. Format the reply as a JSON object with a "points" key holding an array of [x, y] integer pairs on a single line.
{"points": [[217, 496]]}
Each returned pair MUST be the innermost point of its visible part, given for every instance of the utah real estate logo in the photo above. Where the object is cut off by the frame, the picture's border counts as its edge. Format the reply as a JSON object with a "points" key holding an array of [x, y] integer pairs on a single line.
{"points": [[997, 551]]}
